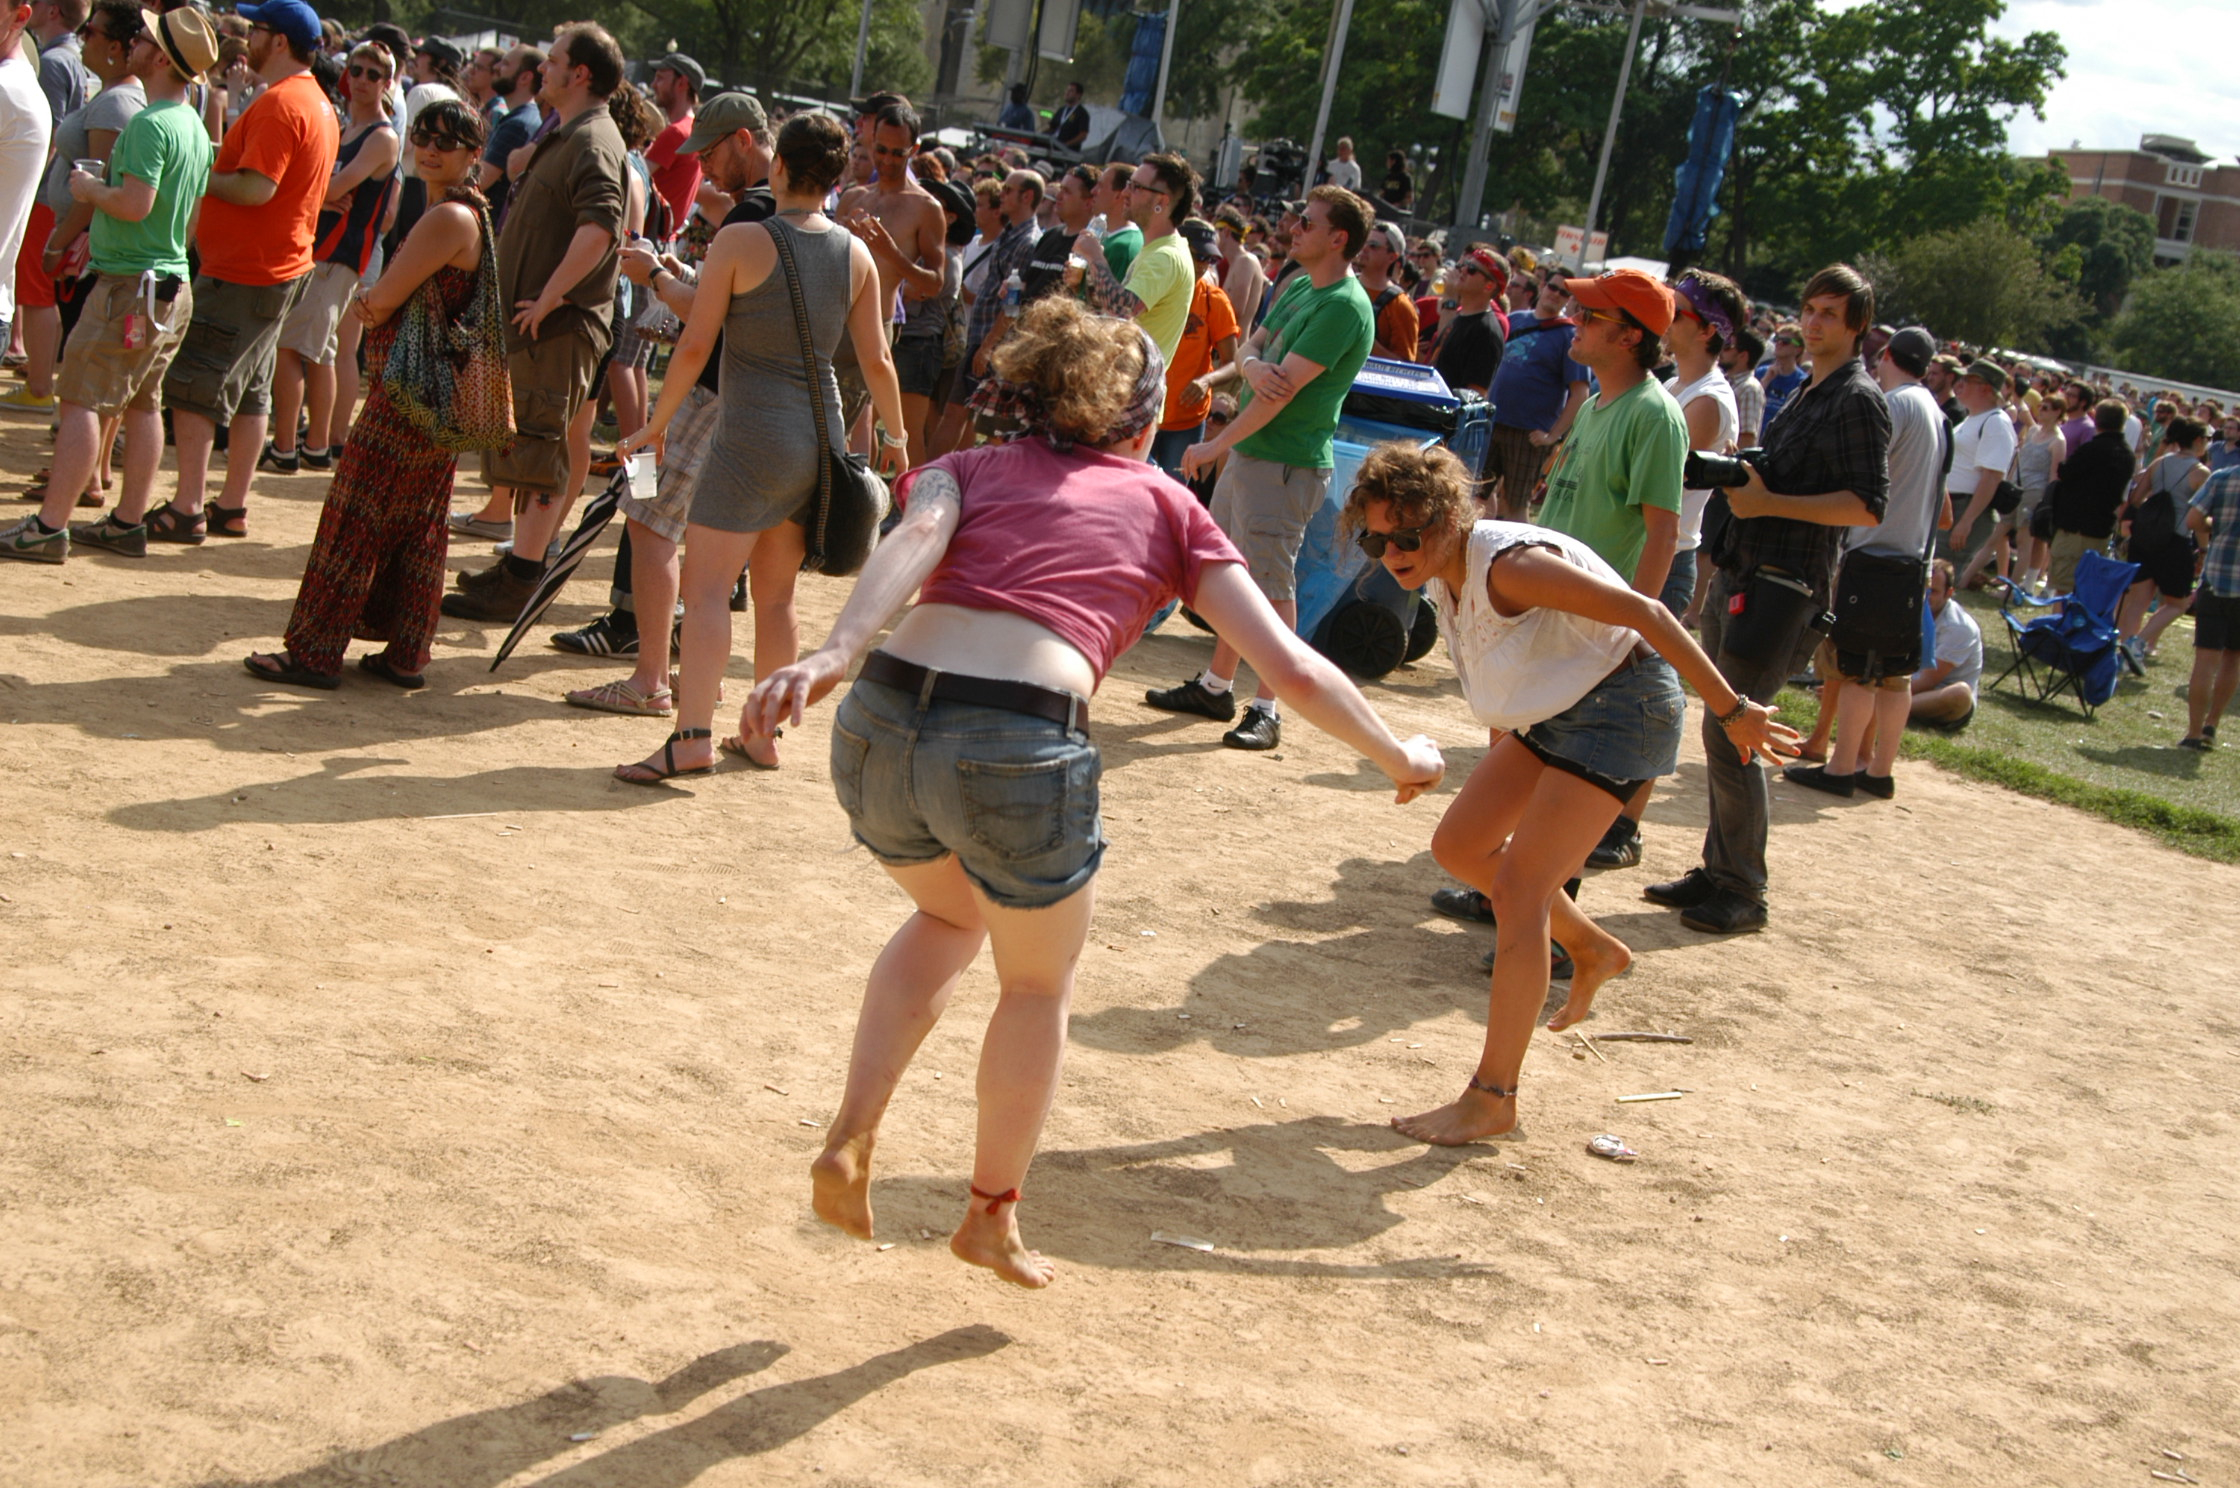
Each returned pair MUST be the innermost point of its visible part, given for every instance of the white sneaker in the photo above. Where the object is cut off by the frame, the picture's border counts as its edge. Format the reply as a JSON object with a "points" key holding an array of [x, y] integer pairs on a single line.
{"points": [[467, 524]]}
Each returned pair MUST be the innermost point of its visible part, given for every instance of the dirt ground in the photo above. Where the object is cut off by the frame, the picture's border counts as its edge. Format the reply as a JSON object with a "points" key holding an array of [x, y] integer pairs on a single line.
{"points": [[388, 1097]]}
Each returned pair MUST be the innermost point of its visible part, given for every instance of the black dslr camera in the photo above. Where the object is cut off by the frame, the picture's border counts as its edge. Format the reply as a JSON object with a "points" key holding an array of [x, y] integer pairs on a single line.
{"points": [[1704, 472]]}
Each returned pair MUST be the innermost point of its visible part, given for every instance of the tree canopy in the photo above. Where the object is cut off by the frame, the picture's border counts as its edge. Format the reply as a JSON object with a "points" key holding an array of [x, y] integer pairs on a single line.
{"points": [[2184, 323]]}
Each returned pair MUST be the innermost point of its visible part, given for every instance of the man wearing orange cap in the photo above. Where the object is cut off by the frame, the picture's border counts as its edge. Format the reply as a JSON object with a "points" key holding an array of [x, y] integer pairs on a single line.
{"points": [[1616, 485]]}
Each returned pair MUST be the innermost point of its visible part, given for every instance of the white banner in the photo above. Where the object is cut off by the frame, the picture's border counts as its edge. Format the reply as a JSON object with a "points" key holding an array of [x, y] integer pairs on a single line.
{"points": [[1510, 84], [1458, 58]]}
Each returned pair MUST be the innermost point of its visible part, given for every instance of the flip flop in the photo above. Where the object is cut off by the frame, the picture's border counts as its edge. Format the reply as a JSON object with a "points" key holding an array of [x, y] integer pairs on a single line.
{"points": [[667, 770], [736, 746], [287, 671], [373, 666]]}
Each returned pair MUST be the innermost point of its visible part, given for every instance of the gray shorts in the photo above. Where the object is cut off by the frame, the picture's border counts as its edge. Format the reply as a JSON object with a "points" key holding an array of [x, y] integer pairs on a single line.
{"points": [[310, 326], [1012, 795], [691, 432], [224, 366], [1264, 508]]}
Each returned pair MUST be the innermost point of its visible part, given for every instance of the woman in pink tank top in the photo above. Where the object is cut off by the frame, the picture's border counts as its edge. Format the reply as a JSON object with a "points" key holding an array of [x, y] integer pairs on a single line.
{"points": [[962, 753]]}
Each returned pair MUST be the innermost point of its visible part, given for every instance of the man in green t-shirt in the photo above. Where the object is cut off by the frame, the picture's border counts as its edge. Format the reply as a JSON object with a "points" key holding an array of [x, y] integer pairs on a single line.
{"points": [[1123, 240], [1297, 367], [137, 311], [1156, 289], [1616, 482]]}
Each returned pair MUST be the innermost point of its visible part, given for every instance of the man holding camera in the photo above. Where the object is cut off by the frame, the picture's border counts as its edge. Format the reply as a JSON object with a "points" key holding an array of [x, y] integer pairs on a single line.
{"points": [[1824, 468]]}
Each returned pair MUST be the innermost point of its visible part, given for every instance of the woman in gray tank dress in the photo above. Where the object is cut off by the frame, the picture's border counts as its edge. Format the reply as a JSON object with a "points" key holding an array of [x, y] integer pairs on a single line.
{"points": [[761, 470]]}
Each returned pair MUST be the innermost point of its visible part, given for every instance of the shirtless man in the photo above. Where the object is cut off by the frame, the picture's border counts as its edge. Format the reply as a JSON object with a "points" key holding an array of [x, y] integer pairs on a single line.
{"points": [[902, 225]]}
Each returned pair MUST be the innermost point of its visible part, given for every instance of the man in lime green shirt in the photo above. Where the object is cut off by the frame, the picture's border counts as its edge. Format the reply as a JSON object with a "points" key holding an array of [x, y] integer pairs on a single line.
{"points": [[1156, 292], [1297, 367], [137, 311]]}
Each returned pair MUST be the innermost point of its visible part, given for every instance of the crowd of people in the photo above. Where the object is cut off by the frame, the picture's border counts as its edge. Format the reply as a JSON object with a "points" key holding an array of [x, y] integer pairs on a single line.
{"points": [[1101, 393]]}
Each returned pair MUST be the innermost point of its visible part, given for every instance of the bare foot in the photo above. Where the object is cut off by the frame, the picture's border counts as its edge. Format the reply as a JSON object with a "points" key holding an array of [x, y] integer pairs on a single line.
{"points": [[1594, 966], [1472, 1115], [992, 1240], [840, 1186]]}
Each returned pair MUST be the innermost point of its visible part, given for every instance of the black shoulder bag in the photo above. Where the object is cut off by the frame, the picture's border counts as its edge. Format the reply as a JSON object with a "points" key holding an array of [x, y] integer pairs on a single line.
{"points": [[843, 520], [1878, 600]]}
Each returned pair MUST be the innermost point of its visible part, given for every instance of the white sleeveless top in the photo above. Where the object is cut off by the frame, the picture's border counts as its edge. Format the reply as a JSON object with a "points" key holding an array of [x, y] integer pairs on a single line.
{"points": [[1518, 670]]}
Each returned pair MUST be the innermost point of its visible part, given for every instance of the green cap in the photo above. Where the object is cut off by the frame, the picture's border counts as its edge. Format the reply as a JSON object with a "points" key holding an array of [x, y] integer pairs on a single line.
{"points": [[1990, 374], [721, 116]]}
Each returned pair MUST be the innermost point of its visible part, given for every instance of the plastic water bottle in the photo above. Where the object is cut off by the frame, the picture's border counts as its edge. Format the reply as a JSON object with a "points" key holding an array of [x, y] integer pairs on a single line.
{"points": [[1014, 293]]}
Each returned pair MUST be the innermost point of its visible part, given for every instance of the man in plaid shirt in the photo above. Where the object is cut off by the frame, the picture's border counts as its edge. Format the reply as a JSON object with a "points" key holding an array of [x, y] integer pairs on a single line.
{"points": [[2215, 520], [1825, 468]]}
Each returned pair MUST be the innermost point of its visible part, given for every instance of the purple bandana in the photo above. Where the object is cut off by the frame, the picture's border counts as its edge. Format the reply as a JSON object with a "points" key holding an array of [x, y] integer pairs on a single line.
{"points": [[1705, 307]]}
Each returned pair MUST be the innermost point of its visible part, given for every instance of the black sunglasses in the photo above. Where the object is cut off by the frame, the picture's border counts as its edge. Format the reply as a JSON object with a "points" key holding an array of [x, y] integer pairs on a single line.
{"points": [[1406, 539], [360, 70]]}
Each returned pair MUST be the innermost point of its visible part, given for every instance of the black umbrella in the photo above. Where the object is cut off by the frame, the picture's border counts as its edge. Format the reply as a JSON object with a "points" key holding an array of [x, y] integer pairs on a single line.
{"points": [[563, 564]]}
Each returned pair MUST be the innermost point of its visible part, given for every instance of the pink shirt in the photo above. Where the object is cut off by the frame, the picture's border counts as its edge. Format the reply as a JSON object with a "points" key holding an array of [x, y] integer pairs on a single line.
{"points": [[1087, 544]]}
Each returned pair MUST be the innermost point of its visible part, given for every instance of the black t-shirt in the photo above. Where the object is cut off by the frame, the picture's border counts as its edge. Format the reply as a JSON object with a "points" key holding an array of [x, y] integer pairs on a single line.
{"points": [[1399, 187], [756, 204], [2092, 485], [1045, 268], [1470, 353], [1071, 125]]}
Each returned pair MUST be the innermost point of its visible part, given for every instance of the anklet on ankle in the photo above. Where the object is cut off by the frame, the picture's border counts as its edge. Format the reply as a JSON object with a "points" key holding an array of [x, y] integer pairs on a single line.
{"points": [[996, 1201], [1493, 1090]]}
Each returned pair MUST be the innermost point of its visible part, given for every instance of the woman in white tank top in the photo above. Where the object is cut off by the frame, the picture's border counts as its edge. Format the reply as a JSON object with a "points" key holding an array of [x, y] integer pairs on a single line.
{"points": [[1549, 644]]}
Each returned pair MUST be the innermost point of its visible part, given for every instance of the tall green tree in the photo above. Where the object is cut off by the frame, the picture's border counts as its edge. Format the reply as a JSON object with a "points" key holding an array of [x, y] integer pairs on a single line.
{"points": [[2184, 323], [2100, 246], [1983, 283]]}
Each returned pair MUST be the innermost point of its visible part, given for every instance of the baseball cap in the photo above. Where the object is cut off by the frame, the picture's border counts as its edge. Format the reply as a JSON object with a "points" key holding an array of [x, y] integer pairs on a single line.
{"points": [[723, 115], [684, 67], [1989, 373], [291, 18], [1637, 294], [1198, 233], [443, 51], [186, 37], [1912, 349]]}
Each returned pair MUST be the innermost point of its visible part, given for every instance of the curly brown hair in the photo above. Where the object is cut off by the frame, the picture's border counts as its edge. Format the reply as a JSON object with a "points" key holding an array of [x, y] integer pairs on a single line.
{"points": [[1085, 366], [1419, 487]]}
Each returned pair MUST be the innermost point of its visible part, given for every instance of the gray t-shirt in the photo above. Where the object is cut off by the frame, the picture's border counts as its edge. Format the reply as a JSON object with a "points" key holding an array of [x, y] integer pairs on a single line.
{"points": [[1917, 435], [110, 109]]}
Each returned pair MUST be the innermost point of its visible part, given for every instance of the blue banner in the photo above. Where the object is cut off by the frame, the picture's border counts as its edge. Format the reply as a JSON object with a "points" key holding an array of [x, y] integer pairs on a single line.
{"points": [[1143, 64], [1695, 197]]}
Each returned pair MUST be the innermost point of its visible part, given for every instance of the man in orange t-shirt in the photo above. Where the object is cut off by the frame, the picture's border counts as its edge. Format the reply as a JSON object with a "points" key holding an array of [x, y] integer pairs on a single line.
{"points": [[1206, 354], [255, 243]]}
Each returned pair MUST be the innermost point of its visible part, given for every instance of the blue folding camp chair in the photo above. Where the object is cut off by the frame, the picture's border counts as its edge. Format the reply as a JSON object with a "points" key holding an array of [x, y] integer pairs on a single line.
{"points": [[2073, 648]]}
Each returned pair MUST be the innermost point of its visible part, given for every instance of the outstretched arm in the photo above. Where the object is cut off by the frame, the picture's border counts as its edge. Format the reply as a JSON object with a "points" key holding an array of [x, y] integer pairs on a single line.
{"points": [[897, 568], [1240, 615]]}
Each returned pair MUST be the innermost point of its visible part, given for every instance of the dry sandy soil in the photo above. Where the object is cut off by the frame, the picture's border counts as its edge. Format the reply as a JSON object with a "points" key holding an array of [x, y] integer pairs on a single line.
{"points": [[387, 1097]]}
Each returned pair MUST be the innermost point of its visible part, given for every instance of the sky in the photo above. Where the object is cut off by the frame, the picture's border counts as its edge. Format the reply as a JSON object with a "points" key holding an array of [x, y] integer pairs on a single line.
{"points": [[2135, 67]]}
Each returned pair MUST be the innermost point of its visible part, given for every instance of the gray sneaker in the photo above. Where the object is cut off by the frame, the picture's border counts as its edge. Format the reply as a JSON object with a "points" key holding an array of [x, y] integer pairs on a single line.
{"points": [[24, 540], [112, 536], [467, 524]]}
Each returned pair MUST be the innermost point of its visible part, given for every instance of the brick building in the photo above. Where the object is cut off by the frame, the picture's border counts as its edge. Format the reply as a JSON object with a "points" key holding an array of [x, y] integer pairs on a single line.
{"points": [[2190, 199]]}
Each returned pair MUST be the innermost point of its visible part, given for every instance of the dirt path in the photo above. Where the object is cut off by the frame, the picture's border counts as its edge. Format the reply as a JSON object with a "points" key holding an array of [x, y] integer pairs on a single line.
{"points": [[387, 1097]]}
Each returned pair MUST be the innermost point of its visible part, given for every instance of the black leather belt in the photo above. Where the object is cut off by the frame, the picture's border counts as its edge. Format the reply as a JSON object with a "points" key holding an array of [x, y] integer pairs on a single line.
{"points": [[1640, 653], [981, 692]]}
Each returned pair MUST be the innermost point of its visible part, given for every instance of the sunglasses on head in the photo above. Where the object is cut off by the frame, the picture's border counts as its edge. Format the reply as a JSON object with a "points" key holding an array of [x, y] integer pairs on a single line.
{"points": [[1406, 539]]}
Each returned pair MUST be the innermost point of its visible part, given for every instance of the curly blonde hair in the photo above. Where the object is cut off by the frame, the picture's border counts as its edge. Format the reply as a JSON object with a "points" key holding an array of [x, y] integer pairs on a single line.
{"points": [[1419, 487], [1084, 366]]}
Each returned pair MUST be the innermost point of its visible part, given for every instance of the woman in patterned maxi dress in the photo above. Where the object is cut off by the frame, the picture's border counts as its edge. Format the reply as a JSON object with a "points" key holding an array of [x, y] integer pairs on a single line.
{"points": [[376, 567]]}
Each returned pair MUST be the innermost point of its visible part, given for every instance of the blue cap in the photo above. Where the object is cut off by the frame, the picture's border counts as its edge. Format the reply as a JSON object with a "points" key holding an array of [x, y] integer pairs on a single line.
{"points": [[291, 18]]}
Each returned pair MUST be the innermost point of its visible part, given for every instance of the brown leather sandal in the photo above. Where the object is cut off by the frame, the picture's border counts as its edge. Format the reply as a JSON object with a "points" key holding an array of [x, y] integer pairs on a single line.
{"points": [[168, 524]]}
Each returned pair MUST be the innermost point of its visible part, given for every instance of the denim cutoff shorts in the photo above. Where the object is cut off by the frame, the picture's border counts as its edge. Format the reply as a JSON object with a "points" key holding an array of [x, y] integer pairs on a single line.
{"points": [[1012, 795], [1626, 730]]}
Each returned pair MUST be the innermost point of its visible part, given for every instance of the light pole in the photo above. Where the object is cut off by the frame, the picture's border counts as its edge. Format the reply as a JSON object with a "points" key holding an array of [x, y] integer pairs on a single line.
{"points": [[1329, 85]]}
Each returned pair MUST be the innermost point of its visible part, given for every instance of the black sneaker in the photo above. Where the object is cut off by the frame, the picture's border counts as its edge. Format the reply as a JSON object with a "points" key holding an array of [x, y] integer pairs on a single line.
{"points": [[1261, 729], [112, 536], [1725, 914], [1620, 846], [1881, 787], [1561, 968], [613, 634], [316, 459], [1462, 904], [1816, 777], [278, 463], [1685, 892], [1192, 697]]}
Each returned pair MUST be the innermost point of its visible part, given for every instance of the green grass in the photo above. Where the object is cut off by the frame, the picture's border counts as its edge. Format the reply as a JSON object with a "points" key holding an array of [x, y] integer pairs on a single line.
{"points": [[2122, 764]]}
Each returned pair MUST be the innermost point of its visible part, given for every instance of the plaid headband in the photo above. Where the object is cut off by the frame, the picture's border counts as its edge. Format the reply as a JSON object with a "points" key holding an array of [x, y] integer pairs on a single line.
{"points": [[1705, 308], [1021, 404]]}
